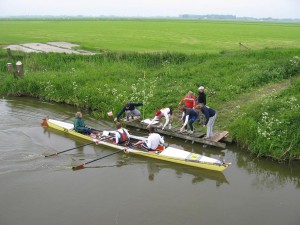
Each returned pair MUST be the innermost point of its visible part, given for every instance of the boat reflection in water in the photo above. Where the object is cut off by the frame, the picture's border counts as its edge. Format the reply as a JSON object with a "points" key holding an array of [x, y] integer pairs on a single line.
{"points": [[198, 175]]}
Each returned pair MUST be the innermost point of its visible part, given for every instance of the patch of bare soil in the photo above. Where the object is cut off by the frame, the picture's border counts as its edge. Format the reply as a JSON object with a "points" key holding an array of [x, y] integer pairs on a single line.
{"points": [[60, 47]]}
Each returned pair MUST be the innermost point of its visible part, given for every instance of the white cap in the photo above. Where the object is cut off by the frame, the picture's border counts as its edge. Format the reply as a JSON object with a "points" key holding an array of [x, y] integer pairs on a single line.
{"points": [[201, 88]]}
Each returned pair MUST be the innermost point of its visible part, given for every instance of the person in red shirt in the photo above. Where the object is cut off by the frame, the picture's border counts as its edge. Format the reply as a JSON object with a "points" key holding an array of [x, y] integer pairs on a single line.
{"points": [[189, 100]]}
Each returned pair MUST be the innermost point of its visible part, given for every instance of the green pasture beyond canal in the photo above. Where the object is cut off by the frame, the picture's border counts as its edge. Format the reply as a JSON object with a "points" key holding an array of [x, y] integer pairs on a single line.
{"points": [[254, 86]]}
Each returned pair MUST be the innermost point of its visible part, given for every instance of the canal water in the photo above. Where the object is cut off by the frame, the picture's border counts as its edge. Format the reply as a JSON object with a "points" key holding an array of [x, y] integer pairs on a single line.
{"points": [[129, 190]]}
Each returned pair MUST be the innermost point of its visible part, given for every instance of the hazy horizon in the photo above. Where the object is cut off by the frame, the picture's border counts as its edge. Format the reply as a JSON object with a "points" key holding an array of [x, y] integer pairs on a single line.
{"points": [[277, 9]]}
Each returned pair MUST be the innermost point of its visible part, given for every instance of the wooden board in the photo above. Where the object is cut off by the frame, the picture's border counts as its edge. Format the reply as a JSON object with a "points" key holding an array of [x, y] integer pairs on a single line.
{"points": [[218, 135], [196, 137]]}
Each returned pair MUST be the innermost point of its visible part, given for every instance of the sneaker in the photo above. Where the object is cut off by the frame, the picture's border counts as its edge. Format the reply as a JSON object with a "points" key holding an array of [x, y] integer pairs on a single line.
{"points": [[190, 132]]}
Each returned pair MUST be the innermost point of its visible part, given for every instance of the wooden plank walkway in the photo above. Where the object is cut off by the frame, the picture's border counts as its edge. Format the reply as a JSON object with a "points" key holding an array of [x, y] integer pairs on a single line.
{"points": [[197, 137], [218, 135]]}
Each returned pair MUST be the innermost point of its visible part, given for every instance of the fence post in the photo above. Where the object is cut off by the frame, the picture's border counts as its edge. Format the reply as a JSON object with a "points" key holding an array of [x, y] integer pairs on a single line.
{"points": [[9, 53], [10, 68], [19, 69]]}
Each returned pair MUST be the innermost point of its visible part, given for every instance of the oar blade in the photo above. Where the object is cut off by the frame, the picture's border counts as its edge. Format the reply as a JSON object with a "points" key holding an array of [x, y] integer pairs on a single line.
{"points": [[77, 164], [78, 167], [50, 153]]}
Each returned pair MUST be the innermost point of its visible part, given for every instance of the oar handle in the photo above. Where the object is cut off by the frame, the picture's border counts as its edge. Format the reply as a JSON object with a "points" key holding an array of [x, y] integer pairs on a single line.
{"points": [[95, 129], [98, 141]]}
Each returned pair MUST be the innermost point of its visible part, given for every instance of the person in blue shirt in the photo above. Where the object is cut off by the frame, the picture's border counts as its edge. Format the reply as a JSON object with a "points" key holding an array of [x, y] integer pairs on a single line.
{"points": [[210, 116], [201, 99], [188, 116], [130, 110]]}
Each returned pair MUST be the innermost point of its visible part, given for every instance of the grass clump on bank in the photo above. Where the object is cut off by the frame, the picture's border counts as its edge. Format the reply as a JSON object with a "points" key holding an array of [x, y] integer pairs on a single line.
{"points": [[267, 126], [270, 127]]}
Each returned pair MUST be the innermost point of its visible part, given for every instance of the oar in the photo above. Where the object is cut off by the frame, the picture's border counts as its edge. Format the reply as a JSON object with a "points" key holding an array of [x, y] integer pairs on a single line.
{"points": [[122, 150], [57, 153], [95, 129], [93, 142]]}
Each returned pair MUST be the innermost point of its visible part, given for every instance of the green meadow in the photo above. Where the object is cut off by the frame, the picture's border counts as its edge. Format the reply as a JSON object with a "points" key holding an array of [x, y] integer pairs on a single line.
{"points": [[254, 87], [154, 35]]}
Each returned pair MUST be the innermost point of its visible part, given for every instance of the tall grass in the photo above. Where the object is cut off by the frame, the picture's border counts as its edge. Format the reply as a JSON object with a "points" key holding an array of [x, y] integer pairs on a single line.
{"points": [[271, 127], [165, 77]]}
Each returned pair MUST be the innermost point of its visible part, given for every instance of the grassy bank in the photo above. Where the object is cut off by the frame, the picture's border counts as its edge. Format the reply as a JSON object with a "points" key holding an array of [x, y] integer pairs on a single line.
{"points": [[266, 125]]}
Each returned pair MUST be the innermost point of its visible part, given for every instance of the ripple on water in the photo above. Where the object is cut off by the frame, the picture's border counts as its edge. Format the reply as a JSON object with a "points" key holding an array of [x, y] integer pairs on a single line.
{"points": [[11, 162]]}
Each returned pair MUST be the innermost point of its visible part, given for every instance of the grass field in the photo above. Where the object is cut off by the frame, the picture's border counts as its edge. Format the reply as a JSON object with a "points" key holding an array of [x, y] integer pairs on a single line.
{"points": [[154, 35]]}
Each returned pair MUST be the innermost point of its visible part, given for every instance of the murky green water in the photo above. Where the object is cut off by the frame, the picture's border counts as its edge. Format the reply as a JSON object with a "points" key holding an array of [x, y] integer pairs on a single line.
{"points": [[130, 190]]}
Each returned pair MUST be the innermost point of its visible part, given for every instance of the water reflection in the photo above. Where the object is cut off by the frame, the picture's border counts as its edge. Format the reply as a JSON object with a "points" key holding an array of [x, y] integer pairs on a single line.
{"points": [[269, 174], [198, 175], [154, 167]]}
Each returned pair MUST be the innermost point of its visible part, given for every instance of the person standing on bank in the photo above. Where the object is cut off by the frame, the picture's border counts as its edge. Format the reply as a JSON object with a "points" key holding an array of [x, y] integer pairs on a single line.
{"points": [[130, 110], [201, 99], [188, 116], [79, 125], [165, 112], [210, 115], [189, 100]]}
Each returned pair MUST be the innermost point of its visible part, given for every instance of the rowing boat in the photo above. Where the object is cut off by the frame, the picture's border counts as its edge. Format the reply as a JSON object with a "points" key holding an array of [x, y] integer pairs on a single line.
{"points": [[169, 154]]}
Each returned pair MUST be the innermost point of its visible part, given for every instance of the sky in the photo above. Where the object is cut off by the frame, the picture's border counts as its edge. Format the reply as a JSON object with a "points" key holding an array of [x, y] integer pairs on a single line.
{"points": [[151, 8]]}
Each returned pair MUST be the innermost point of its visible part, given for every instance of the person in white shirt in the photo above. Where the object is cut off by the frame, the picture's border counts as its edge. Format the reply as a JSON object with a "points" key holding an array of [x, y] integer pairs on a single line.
{"points": [[165, 112], [153, 140], [121, 135]]}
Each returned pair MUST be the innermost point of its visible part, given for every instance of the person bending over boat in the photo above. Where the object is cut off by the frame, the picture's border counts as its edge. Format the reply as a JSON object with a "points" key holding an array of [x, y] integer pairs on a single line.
{"points": [[121, 135], [188, 116], [153, 140], [210, 115], [130, 110], [79, 125], [189, 100], [165, 112]]}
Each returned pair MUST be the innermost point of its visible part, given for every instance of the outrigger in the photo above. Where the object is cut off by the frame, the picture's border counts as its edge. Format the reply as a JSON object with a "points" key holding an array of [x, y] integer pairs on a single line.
{"points": [[169, 154]]}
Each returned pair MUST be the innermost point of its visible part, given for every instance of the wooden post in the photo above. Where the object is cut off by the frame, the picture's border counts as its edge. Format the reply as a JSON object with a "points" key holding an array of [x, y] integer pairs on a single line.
{"points": [[244, 46], [10, 68], [19, 69], [9, 53]]}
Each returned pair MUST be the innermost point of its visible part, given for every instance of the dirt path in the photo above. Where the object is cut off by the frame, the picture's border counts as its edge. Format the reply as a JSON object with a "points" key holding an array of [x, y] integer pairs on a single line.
{"points": [[60, 47], [230, 109]]}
